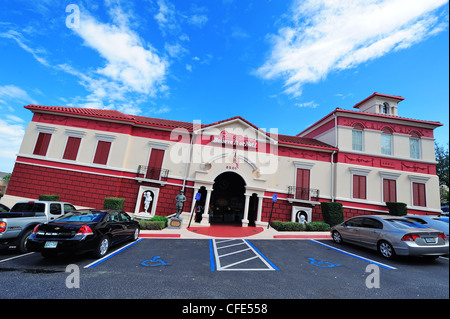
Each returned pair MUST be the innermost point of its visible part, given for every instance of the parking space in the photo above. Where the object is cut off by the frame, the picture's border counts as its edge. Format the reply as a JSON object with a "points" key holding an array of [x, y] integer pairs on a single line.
{"points": [[238, 255], [232, 268]]}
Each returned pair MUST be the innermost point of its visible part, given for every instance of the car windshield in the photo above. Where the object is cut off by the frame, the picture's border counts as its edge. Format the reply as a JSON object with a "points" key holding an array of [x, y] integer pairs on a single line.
{"points": [[404, 224], [82, 216]]}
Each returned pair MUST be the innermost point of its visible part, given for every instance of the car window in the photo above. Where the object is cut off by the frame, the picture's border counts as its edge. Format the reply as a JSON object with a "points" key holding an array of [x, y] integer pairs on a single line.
{"points": [[3, 209], [36, 209], [405, 224], [113, 217], [372, 223], [354, 222], [82, 216], [442, 219], [417, 220], [55, 209], [125, 217], [68, 208]]}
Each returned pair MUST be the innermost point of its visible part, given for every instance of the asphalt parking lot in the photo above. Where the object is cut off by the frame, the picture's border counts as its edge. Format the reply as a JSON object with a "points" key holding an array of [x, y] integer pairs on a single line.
{"points": [[224, 269]]}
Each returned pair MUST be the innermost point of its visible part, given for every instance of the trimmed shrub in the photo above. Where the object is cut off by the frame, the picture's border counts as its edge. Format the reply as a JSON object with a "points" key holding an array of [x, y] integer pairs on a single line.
{"points": [[332, 213], [113, 203], [160, 219], [287, 226], [317, 226], [397, 208], [50, 198], [151, 225]]}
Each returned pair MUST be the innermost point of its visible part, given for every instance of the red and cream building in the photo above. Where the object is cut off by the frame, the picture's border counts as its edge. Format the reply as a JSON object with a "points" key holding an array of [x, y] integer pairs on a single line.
{"points": [[361, 157]]}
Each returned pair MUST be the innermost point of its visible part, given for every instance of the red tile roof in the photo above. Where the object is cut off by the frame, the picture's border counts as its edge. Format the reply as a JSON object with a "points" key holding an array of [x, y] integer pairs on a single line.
{"points": [[168, 124]]}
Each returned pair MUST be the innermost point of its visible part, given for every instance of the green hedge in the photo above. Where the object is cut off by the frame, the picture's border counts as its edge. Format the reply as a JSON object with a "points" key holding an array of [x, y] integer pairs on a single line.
{"points": [[50, 198], [151, 225], [294, 226], [113, 203], [160, 219], [155, 223], [317, 226], [287, 226], [397, 208], [332, 213]]}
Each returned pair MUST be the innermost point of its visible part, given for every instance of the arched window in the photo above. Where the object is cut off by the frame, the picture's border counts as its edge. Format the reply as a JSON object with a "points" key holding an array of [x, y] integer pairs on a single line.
{"points": [[385, 108], [414, 145], [386, 141], [357, 137]]}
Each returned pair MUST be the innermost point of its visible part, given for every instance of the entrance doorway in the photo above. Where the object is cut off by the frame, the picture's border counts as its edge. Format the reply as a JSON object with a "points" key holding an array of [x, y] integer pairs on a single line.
{"points": [[227, 199]]}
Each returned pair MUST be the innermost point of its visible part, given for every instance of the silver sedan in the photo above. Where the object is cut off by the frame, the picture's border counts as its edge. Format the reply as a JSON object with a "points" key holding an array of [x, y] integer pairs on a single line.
{"points": [[391, 236]]}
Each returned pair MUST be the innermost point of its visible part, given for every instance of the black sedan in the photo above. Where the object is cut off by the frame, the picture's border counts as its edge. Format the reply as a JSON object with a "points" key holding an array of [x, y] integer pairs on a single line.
{"points": [[83, 230]]}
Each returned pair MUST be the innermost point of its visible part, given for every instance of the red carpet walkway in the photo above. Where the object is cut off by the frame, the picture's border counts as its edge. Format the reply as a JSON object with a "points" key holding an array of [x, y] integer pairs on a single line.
{"points": [[226, 230]]}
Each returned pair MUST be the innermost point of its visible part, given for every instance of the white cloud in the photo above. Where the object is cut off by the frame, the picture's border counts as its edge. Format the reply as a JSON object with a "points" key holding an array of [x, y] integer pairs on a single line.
{"points": [[198, 20], [12, 133], [129, 60], [36, 53], [15, 94], [326, 36], [311, 105]]}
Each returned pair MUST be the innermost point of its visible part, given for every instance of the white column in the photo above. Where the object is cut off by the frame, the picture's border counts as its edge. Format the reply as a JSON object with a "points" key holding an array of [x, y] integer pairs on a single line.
{"points": [[205, 216], [260, 204], [246, 208]]}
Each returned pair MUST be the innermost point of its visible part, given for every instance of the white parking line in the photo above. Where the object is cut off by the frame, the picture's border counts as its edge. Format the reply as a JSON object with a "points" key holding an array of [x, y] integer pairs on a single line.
{"points": [[266, 265], [3, 260], [111, 254], [353, 255]]}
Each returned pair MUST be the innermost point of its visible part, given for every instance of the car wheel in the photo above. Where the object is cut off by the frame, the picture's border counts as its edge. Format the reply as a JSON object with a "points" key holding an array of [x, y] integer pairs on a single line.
{"points": [[337, 238], [136, 234], [22, 244], [102, 247], [386, 250]]}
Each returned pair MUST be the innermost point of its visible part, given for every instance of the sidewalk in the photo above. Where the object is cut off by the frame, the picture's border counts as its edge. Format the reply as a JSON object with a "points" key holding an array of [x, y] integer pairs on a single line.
{"points": [[223, 231]]}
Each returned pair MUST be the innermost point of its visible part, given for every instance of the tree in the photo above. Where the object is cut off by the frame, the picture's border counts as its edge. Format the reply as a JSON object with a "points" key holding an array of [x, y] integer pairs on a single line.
{"points": [[442, 170], [442, 157]]}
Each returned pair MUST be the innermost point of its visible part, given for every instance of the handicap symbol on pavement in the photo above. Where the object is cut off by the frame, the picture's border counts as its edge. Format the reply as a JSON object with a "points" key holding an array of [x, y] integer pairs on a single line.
{"points": [[323, 264], [155, 261]]}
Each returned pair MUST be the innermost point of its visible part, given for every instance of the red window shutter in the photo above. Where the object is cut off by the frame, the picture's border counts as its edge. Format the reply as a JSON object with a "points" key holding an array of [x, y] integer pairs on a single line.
{"points": [[303, 179], [72, 146], [419, 196], [355, 186], [389, 190], [359, 186], [42, 143], [102, 152], [155, 164]]}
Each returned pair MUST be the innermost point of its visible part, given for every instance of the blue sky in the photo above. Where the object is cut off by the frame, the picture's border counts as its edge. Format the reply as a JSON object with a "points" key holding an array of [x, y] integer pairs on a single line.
{"points": [[278, 64]]}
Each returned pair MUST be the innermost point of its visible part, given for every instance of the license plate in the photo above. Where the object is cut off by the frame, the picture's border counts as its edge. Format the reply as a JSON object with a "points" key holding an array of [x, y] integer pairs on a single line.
{"points": [[430, 240], [50, 244]]}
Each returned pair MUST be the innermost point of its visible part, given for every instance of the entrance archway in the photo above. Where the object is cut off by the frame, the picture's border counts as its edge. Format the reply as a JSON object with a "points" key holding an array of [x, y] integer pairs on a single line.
{"points": [[227, 199]]}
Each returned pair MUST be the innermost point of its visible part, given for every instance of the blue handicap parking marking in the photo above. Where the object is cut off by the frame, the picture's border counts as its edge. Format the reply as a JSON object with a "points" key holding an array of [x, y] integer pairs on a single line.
{"points": [[323, 264], [155, 261]]}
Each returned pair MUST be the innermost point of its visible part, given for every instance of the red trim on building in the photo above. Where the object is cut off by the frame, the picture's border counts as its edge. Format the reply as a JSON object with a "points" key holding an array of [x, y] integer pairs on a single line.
{"points": [[387, 163]]}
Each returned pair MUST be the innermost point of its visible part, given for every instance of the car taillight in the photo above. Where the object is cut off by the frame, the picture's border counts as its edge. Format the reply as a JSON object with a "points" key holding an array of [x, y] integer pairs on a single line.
{"points": [[442, 235], [2, 227], [410, 237], [85, 230], [35, 230]]}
